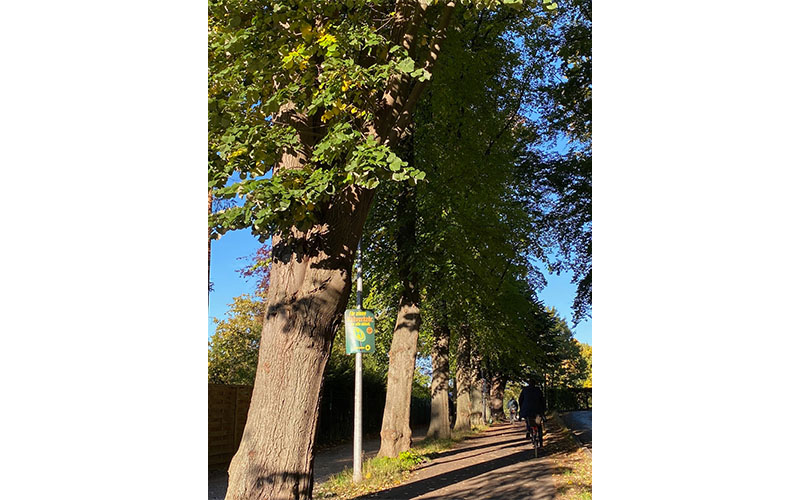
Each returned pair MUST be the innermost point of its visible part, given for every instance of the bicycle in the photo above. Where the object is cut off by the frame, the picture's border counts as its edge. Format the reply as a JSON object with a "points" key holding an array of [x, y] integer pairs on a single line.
{"points": [[533, 431]]}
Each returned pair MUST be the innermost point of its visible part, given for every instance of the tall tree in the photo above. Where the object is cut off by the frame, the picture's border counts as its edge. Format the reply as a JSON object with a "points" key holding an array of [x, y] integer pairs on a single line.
{"points": [[496, 393], [476, 416], [396, 428], [463, 380], [439, 426]]}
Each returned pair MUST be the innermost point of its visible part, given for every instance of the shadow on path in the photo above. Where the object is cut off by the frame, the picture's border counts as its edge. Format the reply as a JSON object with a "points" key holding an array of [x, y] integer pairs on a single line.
{"points": [[493, 483], [459, 451], [503, 469]]}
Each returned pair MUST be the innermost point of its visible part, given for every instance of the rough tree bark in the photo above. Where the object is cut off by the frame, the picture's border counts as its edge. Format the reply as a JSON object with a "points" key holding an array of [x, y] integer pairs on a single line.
{"points": [[463, 380], [439, 426], [496, 397], [309, 285], [476, 391], [396, 425]]}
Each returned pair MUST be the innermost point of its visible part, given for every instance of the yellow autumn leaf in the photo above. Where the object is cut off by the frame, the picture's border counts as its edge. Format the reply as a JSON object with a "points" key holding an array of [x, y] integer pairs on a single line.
{"points": [[238, 152], [327, 39]]}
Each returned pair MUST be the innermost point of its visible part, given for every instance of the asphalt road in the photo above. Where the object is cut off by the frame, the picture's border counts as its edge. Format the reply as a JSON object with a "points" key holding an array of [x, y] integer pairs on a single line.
{"points": [[580, 422]]}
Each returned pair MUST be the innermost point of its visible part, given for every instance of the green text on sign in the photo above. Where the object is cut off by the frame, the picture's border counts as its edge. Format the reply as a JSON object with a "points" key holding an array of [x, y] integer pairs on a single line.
{"points": [[359, 329]]}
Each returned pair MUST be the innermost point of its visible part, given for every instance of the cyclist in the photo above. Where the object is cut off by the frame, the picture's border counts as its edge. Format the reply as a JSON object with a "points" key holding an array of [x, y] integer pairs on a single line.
{"points": [[531, 408], [512, 408]]}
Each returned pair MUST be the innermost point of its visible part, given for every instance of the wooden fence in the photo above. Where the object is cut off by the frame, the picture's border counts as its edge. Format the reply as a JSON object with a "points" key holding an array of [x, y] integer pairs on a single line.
{"points": [[228, 405], [227, 413]]}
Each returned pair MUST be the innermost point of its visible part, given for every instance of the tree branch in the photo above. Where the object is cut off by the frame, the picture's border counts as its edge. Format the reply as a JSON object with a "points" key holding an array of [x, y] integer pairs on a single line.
{"points": [[434, 48], [404, 30]]}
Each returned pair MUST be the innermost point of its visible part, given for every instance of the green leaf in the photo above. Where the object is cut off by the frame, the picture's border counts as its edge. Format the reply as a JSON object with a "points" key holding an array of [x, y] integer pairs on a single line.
{"points": [[421, 74], [406, 65], [514, 4], [395, 163]]}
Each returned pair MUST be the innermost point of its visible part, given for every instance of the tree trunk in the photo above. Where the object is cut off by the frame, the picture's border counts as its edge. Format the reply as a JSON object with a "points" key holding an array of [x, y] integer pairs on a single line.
{"points": [[463, 380], [439, 427], [310, 283], [496, 396], [396, 428], [476, 393], [396, 425]]}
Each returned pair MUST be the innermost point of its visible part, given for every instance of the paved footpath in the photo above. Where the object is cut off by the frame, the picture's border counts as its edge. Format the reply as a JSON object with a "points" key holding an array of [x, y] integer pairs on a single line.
{"points": [[498, 464]]}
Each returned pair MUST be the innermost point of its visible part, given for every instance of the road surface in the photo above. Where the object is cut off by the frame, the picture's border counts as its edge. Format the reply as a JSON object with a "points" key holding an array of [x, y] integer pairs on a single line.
{"points": [[580, 422]]}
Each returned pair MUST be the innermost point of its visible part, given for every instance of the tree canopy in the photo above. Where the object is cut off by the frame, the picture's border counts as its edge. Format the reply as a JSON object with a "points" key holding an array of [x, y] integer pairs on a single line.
{"points": [[233, 349], [331, 85]]}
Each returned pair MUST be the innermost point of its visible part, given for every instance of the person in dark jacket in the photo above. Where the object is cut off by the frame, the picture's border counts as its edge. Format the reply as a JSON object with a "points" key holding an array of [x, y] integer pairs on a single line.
{"points": [[531, 407]]}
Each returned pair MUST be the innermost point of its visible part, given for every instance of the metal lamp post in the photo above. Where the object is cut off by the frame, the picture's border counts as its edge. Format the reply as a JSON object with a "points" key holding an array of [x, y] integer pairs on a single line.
{"points": [[358, 387]]}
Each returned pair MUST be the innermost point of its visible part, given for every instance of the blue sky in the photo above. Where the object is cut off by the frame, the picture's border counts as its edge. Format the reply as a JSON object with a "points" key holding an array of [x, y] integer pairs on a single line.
{"points": [[225, 260]]}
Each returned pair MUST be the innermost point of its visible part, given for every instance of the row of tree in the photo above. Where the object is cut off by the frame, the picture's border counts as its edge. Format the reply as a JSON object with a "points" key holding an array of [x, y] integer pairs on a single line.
{"points": [[233, 356], [420, 126]]}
